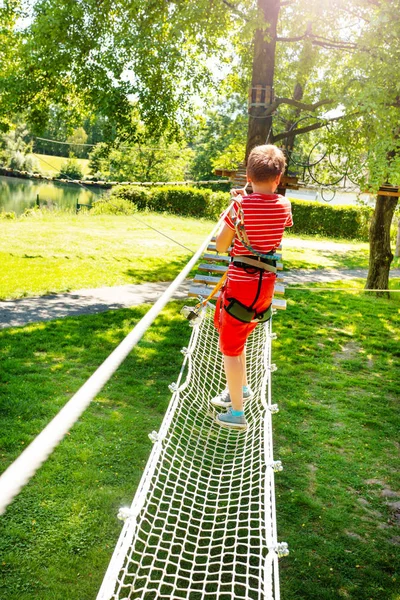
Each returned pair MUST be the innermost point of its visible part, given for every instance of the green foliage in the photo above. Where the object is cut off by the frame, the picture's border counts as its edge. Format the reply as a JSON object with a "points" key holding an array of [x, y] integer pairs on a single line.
{"points": [[7, 215], [77, 140], [15, 149], [99, 160], [181, 200], [113, 206], [71, 169], [221, 141], [349, 222]]}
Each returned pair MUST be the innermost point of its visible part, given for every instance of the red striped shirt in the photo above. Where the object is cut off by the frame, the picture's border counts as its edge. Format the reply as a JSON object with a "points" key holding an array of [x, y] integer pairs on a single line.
{"points": [[265, 219]]}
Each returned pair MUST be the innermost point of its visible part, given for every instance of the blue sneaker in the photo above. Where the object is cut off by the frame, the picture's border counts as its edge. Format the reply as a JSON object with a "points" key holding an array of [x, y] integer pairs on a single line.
{"points": [[230, 421], [223, 400]]}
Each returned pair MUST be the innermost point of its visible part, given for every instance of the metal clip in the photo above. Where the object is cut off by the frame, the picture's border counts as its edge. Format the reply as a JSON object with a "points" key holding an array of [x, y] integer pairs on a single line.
{"points": [[272, 368], [273, 336], [274, 408], [185, 351], [282, 549], [154, 437], [125, 513], [276, 465], [173, 387]]}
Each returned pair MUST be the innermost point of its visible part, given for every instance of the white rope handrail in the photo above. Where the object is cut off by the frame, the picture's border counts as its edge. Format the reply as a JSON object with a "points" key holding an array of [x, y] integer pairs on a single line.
{"points": [[25, 466]]}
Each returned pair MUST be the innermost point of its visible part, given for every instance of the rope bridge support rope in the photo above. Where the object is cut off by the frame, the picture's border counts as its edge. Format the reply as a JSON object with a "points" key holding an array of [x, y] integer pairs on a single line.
{"points": [[25, 466]]}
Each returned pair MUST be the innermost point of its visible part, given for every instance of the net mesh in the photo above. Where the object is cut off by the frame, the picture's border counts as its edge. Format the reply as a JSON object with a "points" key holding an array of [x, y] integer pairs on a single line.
{"points": [[202, 524]]}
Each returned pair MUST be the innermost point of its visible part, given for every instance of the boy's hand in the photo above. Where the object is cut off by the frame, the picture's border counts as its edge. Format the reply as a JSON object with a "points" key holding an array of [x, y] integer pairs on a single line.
{"points": [[241, 192]]}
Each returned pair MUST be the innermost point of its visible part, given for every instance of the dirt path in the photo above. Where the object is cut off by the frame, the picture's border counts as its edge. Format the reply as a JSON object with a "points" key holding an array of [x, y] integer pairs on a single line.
{"points": [[15, 313]]}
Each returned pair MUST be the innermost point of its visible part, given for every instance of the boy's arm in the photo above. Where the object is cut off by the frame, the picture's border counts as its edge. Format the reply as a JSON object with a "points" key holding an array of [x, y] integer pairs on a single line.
{"points": [[224, 238]]}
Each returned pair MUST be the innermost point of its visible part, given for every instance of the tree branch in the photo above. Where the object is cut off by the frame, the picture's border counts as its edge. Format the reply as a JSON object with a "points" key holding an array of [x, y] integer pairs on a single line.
{"points": [[336, 45], [294, 132], [319, 41], [235, 10], [301, 105]]}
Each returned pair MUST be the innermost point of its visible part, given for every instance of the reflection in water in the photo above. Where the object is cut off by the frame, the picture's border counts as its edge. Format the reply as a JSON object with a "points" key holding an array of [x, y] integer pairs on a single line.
{"points": [[18, 194]]}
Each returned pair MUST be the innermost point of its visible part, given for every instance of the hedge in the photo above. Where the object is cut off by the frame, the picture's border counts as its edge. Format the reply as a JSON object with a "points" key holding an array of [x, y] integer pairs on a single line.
{"points": [[313, 218], [180, 200], [349, 222]]}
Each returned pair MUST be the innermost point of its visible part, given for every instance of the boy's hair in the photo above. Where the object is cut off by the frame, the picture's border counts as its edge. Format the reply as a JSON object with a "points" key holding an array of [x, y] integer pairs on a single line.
{"points": [[265, 163]]}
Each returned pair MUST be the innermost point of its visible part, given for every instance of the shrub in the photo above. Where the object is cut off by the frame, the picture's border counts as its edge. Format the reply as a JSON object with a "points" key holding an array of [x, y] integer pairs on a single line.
{"points": [[136, 194], [7, 215], [350, 222], [313, 218], [113, 206], [181, 200], [70, 169]]}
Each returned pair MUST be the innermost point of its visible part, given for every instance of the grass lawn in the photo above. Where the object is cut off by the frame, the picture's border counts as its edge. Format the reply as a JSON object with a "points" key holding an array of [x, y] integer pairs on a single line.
{"points": [[331, 253], [68, 252], [51, 165], [337, 435], [56, 253]]}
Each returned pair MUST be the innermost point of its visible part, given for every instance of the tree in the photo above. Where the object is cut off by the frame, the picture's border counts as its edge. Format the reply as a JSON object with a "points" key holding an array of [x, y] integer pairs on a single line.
{"points": [[77, 141], [140, 162], [71, 169], [362, 84]]}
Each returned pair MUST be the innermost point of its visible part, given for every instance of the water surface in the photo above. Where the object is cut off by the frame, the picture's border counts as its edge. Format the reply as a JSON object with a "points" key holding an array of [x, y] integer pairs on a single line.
{"points": [[18, 194]]}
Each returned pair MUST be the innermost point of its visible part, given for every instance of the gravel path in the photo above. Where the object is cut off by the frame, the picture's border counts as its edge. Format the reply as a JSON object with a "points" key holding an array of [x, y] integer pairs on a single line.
{"points": [[15, 313]]}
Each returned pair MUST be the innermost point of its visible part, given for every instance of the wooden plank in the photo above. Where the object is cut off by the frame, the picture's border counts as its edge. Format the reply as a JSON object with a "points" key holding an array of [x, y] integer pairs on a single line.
{"points": [[212, 268], [204, 291], [214, 258], [212, 248], [278, 248], [210, 280]]}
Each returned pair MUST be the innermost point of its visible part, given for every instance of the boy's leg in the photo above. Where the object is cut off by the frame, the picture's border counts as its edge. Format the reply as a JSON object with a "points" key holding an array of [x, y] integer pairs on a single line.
{"points": [[235, 376], [243, 358]]}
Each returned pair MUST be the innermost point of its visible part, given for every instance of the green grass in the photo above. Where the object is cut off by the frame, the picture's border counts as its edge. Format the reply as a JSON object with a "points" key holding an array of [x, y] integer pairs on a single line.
{"points": [[47, 253], [56, 253], [337, 435], [335, 254], [51, 165]]}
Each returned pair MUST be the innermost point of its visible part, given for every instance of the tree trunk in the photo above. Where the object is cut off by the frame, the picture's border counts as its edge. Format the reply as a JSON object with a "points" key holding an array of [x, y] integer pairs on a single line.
{"points": [[380, 254], [397, 251], [260, 128]]}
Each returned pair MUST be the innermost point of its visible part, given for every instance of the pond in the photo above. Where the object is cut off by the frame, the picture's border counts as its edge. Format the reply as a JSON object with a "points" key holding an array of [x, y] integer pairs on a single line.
{"points": [[18, 194]]}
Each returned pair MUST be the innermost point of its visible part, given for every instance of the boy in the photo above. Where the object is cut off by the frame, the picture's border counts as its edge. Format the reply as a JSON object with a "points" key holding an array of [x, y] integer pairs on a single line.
{"points": [[249, 288]]}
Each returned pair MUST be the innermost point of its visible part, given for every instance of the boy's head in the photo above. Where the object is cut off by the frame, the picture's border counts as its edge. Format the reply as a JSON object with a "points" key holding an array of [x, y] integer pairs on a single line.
{"points": [[265, 164]]}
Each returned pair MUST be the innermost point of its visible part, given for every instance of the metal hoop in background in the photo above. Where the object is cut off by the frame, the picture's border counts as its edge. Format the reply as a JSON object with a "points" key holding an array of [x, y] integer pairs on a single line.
{"points": [[322, 192]]}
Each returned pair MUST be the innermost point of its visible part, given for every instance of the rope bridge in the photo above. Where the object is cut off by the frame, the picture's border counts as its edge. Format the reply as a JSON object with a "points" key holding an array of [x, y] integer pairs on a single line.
{"points": [[202, 523]]}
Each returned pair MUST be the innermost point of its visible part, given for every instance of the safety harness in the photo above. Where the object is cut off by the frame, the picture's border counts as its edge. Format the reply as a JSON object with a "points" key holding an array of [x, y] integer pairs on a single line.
{"points": [[257, 262]]}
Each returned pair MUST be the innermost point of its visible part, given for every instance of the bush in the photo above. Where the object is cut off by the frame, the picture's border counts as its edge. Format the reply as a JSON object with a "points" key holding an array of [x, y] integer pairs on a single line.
{"points": [[113, 206], [181, 200], [5, 216], [350, 222], [70, 169]]}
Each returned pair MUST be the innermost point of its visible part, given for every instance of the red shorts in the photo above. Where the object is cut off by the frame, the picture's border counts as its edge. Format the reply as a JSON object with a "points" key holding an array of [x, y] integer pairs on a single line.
{"points": [[232, 332]]}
